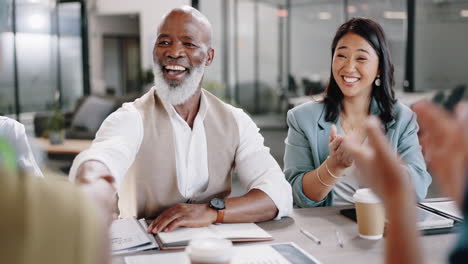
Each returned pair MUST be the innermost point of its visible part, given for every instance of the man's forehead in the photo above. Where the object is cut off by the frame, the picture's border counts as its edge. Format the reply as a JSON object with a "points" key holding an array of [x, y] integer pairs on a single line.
{"points": [[181, 20], [185, 22]]}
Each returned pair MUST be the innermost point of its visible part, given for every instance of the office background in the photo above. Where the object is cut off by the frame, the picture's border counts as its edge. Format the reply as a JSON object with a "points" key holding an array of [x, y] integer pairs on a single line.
{"points": [[268, 52]]}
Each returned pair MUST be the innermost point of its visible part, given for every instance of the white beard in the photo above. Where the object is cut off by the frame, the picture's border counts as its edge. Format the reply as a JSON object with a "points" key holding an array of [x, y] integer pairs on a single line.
{"points": [[176, 95]]}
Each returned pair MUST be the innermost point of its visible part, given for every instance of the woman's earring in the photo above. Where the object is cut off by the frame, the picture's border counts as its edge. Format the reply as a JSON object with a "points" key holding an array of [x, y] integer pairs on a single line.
{"points": [[377, 81]]}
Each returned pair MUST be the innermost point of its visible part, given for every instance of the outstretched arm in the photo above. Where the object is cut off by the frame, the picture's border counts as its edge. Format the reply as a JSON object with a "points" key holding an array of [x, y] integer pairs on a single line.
{"points": [[382, 170], [100, 169]]}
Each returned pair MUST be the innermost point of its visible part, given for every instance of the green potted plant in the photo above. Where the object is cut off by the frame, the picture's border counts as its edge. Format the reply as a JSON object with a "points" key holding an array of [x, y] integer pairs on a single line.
{"points": [[56, 127]]}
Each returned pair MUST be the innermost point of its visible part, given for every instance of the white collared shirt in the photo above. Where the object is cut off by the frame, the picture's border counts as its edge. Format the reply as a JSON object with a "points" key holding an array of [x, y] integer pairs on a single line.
{"points": [[192, 168], [118, 141], [15, 134]]}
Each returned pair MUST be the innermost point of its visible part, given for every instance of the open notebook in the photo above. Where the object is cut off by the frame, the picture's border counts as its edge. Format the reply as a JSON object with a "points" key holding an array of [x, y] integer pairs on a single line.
{"points": [[447, 208], [242, 232], [129, 235]]}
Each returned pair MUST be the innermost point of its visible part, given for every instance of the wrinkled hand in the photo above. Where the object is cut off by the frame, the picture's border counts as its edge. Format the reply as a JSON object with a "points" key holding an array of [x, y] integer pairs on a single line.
{"points": [[189, 215], [339, 157], [378, 163], [444, 138]]}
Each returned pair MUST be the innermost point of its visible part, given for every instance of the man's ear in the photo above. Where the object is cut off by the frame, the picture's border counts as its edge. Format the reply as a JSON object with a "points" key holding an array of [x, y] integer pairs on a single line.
{"points": [[210, 57]]}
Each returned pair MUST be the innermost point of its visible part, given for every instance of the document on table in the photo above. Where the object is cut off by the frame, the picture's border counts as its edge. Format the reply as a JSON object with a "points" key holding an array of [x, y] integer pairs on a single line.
{"points": [[283, 253], [428, 220], [448, 208], [129, 235], [238, 232]]}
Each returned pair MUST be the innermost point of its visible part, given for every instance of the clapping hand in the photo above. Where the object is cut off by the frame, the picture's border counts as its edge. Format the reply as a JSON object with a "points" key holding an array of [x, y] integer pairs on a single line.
{"points": [[378, 163], [339, 157], [444, 138]]}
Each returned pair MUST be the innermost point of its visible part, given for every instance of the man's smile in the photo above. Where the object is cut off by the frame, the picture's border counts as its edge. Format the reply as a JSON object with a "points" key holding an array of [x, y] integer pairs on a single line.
{"points": [[174, 72]]}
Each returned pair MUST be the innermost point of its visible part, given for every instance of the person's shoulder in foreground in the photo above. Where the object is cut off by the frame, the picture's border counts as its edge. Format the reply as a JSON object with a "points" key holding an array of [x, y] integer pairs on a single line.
{"points": [[15, 133], [48, 221]]}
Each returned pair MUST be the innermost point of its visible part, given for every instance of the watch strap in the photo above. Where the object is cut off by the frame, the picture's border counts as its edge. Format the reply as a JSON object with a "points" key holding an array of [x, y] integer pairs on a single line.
{"points": [[220, 217]]}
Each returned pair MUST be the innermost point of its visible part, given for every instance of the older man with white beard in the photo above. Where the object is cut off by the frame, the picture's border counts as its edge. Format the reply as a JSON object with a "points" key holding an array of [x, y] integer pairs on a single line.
{"points": [[170, 153]]}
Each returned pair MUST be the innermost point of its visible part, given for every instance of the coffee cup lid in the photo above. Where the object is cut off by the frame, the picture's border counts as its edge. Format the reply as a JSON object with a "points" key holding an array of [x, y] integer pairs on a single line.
{"points": [[365, 195], [209, 248]]}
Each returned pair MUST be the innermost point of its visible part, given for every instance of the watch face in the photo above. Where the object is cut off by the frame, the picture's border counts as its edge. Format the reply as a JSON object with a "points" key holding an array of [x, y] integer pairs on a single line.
{"points": [[217, 203]]}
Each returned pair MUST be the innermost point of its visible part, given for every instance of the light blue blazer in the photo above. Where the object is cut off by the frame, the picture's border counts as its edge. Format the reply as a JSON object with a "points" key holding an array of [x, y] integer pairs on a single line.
{"points": [[307, 147]]}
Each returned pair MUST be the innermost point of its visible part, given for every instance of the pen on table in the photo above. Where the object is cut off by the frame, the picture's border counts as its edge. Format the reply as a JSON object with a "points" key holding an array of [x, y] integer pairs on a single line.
{"points": [[311, 237], [338, 237]]}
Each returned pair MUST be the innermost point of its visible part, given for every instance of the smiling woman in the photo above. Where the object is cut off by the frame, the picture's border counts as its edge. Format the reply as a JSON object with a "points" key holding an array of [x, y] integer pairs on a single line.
{"points": [[319, 169]]}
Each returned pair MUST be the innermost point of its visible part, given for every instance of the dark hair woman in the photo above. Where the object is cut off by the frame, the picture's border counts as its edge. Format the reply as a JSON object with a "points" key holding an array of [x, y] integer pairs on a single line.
{"points": [[322, 172]]}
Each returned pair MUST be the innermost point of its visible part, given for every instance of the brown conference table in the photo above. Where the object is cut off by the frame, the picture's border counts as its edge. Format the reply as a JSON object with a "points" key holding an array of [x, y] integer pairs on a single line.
{"points": [[68, 147], [322, 222]]}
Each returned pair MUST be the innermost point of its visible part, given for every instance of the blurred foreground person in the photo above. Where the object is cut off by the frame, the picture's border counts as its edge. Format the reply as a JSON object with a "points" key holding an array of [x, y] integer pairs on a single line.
{"points": [[445, 140], [47, 220]]}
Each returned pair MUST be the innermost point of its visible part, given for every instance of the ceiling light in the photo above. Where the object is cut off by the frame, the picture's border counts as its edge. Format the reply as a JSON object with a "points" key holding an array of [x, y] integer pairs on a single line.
{"points": [[324, 15], [282, 13], [394, 15], [352, 9], [36, 21]]}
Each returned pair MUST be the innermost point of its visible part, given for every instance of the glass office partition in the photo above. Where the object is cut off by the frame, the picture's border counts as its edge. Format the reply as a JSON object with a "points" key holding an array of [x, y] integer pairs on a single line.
{"points": [[7, 86], [246, 54], [37, 55], [246, 38], [441, 41], [270, 33], [212, 9], [313, 26], [40, 56], [392, 16], [284, 45], [70, 54]]}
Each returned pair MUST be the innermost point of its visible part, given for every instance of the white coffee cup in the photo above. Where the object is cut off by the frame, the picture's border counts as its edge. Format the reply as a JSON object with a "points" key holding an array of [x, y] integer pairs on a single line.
{"points": [[210, 251], [370, 214]]}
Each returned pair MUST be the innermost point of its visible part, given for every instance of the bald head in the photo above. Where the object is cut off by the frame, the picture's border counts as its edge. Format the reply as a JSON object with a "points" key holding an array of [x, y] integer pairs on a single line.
{"points": [[187, 15]]}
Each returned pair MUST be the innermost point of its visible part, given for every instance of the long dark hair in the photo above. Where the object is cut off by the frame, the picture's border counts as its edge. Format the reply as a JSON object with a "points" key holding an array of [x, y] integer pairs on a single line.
{"points": [[383, 94]]}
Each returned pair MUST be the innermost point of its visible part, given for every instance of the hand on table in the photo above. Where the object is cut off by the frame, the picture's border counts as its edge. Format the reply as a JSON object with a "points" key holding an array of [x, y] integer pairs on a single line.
{"points": [[188, 215], [444, 138]]}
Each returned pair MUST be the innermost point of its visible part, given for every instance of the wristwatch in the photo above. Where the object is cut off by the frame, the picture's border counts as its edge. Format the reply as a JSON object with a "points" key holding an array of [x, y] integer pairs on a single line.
{"points": [[219, 206]]}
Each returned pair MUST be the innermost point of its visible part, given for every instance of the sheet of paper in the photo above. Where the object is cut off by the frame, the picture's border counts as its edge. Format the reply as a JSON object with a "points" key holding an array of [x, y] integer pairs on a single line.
{"points": [[241, 230], [151, 245], [127, 233], [428, 220], [231, 231], [186, 234], [448, 207], [283, 253]]}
